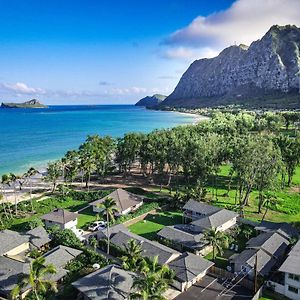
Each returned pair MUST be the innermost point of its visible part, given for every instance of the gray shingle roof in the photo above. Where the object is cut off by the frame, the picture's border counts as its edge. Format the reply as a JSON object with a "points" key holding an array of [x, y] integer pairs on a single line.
{"points": [[215, 220], [123, 199], [10, 270], [38, 237], [61, 255], [200, 207], [283, 228], [60, 216], [190, 240], [102, 234], [265, 262], [271, 242], [188, 266], [292, 263], [110, 282], [150, 248], [10, 239]]}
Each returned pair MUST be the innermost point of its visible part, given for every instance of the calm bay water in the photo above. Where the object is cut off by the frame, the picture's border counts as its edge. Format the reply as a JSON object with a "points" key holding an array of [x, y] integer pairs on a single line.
{"points": [[32, 137]]}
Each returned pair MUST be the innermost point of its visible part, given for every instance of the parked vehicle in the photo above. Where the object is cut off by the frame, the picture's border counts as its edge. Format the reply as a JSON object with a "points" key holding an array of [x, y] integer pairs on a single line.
{"points": [[97, 225]]}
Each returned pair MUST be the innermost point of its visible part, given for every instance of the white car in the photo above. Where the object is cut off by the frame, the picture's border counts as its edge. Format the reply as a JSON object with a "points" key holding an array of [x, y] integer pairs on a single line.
{"points": [[97, 225]]}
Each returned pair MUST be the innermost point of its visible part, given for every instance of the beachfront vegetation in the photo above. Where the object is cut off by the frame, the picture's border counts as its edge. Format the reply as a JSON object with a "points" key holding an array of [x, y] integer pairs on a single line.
{"points": [[248, 162]]}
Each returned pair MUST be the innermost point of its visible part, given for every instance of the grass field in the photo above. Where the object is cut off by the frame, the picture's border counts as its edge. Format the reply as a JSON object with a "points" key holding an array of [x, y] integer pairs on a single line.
{"points": [[153, 223], [287, 209]]}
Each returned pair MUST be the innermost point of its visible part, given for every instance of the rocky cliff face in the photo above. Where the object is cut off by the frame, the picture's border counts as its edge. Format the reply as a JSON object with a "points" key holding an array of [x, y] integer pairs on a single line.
{"points": [[270, 66]]}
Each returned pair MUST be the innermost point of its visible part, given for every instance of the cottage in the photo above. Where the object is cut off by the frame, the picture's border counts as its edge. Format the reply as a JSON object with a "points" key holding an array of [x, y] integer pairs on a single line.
{"points": [[10, 271], [110, 282], [264, 251], [190, 237], [12, 243], [189, 268], [182, 238], [150, 248], [38, 237], [126, 202], [62, 218], [59, 257], [194, 210]]}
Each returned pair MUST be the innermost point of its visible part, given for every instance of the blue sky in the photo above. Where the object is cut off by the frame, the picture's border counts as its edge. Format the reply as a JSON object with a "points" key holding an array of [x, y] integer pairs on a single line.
{"points": [[93, 51]]}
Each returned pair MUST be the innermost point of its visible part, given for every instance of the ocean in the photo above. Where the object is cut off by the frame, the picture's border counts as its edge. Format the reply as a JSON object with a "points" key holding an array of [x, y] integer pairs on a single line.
{"points": [[32, 137]]}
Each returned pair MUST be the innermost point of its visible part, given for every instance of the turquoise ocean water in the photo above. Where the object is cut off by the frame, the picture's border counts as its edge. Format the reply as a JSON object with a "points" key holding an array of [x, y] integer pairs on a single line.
{"points": [[32, 137]]}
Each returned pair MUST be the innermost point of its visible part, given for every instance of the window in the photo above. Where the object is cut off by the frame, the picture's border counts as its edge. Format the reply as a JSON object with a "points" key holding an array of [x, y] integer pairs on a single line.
{"points": [[294, 277], [293, 289]]}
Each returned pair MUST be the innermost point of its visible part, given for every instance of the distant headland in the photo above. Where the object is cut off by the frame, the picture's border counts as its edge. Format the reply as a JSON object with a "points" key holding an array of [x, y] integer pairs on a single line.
{"points": [[28, 104]]}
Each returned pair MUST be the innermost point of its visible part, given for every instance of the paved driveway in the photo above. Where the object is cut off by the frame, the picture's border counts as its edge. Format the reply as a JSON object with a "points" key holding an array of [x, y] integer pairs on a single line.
{"points": [[210, 288]]}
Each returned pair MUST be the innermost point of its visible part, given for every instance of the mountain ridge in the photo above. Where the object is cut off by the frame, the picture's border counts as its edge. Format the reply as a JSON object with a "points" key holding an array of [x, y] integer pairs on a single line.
{"points": [[268, 69]]}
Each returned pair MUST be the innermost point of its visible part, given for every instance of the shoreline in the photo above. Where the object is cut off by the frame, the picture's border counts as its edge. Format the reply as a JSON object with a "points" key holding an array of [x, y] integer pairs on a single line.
{"points": [[41, 165]]}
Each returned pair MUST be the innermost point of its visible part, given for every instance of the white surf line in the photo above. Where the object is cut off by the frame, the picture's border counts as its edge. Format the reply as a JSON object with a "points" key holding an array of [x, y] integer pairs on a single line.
{"points": [[209, 285]]}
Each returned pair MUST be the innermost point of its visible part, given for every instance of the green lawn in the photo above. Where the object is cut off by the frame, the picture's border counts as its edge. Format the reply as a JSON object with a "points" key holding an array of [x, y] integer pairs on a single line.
{"points": [[42, 207], [86, 217], [155, 222]]}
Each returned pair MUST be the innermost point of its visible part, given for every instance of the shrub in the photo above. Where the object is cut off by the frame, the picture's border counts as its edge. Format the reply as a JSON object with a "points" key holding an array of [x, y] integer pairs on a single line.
{"points": [[33, 223], [67, 238]]}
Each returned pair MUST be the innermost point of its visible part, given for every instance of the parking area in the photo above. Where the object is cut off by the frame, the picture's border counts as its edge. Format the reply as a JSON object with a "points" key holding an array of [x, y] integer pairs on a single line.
{"points": [[211, 288]]}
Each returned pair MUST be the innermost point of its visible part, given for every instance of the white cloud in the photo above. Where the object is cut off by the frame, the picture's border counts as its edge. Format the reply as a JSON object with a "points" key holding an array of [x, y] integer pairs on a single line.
{"points": [[188, 54], [244, 22], [126, 91], [21, 88]]}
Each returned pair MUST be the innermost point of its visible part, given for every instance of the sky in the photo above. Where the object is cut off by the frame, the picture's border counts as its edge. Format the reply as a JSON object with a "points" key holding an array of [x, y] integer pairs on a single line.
{"points": [[116, 51]]}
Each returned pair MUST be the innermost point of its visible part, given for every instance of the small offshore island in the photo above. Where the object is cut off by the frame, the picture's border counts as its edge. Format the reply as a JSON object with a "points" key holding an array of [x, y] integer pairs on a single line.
{"points": [[28, 104]]}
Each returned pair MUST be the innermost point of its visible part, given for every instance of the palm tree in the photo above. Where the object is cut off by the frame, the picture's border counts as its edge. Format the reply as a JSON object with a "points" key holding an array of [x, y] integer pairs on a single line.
{"points": [[153, 280], [108, 210], [28, 175], [54, 171], [217, 239], [132, 255], [36, 279], [247, 232]]}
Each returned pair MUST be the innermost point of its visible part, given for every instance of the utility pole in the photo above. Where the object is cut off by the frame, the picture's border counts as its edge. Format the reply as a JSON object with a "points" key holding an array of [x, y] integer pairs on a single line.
{"points": [[255, 274]]}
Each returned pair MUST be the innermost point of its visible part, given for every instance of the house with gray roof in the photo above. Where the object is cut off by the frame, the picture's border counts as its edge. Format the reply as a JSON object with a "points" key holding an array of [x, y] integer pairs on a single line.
{"points": [[271, 242], [283, 228], [204, 216], [221, 220], [150, 248], [264, 252], [62, 218], [12, 243], [194, 210], [188, 269], [12, 267], [59, 257], [102, 234], [38, 237], [10, 270], [182, 238], [110, 282], [125, 201], [190, 237], [289, 283]]}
